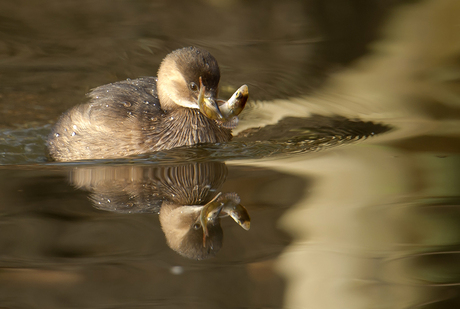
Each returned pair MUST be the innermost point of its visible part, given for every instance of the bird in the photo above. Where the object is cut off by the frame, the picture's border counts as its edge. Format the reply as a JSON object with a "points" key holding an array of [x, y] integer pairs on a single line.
{"points": [[177, 108]]}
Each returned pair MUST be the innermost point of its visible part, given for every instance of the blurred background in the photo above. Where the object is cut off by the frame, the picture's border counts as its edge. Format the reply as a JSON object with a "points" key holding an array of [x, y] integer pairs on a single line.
{"points": [[52, 52]]}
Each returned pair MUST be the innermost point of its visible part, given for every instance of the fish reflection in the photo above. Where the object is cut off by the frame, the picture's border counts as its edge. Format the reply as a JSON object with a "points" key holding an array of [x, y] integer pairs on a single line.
{"points": [[228, 204], [186, 197]]}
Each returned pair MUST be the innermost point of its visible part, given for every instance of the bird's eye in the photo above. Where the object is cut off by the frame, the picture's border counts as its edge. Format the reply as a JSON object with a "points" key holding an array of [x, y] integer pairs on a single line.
{"points": [[193, 86], [196, 226]]}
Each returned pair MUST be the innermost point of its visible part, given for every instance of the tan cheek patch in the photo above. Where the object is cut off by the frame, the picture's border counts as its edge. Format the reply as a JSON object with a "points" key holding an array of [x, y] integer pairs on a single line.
{"points": [[179, 91]]}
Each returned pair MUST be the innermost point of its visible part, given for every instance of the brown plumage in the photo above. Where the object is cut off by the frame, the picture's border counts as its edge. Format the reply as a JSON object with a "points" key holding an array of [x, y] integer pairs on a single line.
{"points": [[143, 115]]}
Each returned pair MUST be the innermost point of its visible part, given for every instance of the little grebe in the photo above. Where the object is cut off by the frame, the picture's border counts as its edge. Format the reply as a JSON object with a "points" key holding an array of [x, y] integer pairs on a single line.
{"points": [[177, 108]]}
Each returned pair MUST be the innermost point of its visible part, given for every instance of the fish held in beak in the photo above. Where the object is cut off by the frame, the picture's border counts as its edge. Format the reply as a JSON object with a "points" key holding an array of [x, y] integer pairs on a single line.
{"points": [[235, 105], [225, 112]]}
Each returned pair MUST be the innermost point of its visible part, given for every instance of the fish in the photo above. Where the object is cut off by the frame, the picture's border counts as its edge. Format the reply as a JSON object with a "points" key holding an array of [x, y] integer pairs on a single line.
{"points": [[235, 105]]}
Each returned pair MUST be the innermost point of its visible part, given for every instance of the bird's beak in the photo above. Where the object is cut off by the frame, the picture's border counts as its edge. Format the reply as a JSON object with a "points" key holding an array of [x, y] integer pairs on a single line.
{"points": [[208, 105]]}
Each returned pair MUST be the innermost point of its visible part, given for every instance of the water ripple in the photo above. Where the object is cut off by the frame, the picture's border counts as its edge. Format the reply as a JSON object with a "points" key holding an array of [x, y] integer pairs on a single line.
{"points": [[290, 136]]}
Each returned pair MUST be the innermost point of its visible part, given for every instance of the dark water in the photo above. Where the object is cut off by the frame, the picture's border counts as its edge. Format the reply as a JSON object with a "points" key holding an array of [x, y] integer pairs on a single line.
{"points": [[346, 159]]}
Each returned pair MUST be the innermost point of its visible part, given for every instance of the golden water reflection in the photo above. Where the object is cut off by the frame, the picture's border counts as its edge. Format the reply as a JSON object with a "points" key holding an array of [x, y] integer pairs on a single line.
{"points": [[380, 228], [366, 232]]}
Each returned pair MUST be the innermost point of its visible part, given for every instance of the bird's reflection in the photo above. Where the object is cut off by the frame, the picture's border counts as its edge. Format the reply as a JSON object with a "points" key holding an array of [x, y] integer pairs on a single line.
{"points": [[186, 197]]}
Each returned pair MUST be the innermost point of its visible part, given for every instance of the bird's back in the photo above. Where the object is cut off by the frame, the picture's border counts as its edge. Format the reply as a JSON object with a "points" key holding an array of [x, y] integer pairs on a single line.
{"points": [[110, 125]]}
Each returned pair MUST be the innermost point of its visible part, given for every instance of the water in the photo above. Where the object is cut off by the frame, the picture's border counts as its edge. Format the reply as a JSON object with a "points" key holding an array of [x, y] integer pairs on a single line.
{"points": [[346, 159]]}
